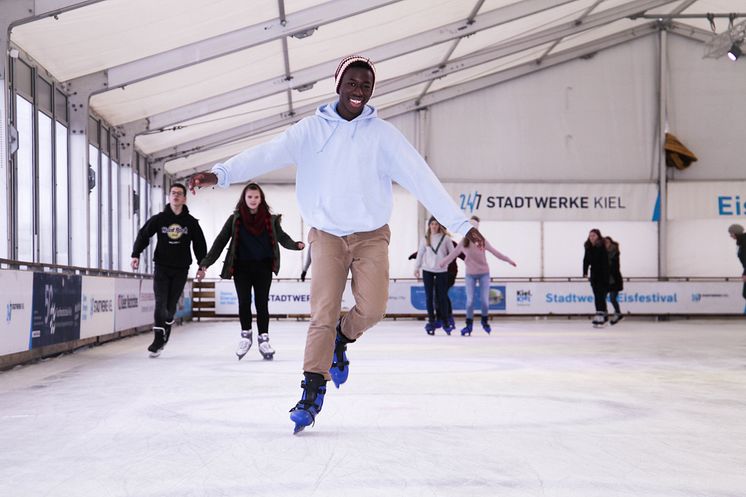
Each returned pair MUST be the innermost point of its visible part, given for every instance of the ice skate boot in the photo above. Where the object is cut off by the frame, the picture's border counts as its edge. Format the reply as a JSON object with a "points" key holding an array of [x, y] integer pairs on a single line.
{"points": [[486, 324], [244, 344], [340, 369], [599, 320], [466, 330], [305, 411], [268, 353], [452, 322], [430, 328], [616, 318], [159, 341], [448, 327], [168, 330]]}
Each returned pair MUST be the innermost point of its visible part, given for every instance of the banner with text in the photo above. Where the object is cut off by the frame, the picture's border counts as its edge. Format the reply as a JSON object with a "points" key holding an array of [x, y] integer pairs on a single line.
{"points": [[707, 200], [557, 202], [16, 289], [134, 303], [55, 314], [97, 306]]}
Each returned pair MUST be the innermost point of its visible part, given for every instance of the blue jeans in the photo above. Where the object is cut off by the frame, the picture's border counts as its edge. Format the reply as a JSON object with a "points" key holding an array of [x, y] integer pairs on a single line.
{"points": [[484, 289]]}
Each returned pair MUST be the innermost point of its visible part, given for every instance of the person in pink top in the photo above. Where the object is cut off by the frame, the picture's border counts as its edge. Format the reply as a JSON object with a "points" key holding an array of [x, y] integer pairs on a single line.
{"points": [[477, 270]]}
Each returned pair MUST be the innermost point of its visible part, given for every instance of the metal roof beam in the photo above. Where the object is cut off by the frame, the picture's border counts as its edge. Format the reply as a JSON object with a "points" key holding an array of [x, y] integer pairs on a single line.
{"points": [[311, 75], [509, 47], [273, 122], [234, 41], [33, 10], [491, 80]]}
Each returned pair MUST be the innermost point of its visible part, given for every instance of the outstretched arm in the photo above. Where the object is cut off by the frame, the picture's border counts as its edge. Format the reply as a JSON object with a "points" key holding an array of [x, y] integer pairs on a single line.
{"points": [[492, 250]]}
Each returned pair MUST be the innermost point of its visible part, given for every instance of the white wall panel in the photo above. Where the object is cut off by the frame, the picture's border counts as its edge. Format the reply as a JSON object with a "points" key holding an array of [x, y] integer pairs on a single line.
{"points": [[638, 245], [707, 102], [590, 120], [702, 247]]}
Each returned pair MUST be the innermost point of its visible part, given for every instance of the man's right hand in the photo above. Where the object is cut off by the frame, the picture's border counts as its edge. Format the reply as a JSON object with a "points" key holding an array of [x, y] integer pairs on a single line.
{"points": [[135, 263], [201, 180]]}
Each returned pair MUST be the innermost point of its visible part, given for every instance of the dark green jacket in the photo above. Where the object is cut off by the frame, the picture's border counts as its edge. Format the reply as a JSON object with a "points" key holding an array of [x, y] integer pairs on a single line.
{"points": [[228, 232]]}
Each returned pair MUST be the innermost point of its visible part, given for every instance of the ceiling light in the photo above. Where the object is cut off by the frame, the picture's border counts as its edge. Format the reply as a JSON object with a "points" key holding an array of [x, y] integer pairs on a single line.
{"points": [[735, 52]]}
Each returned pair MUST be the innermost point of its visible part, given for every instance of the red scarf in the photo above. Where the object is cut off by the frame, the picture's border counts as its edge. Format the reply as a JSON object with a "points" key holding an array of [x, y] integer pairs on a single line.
{"points": [[255, 223]]}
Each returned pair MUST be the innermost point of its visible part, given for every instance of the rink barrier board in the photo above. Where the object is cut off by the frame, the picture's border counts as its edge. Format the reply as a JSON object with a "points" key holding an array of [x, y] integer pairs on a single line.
{"points": [[49, 313]]}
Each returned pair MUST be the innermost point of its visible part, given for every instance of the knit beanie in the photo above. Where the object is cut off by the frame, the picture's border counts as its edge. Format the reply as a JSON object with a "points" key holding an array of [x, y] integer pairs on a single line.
{"points": [[735, 229], [345, 63]]}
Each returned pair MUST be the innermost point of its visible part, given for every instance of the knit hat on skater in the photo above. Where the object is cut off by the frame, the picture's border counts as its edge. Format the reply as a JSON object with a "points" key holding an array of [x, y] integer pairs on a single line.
{"points": [[735, 229], [346, 63]]}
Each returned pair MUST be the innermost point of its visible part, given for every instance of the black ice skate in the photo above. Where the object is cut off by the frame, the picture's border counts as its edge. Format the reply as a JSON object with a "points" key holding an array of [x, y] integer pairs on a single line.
{"points": [[305, 411], [159, 341], [168, 330], [616, 318]]}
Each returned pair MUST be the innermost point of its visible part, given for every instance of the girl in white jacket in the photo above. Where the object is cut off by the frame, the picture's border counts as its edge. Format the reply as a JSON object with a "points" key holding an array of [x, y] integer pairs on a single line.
{"points": [[435, 245]]}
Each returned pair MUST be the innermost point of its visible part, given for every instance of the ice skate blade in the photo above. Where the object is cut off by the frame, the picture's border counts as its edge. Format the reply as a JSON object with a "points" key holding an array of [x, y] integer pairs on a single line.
{"points": [[153, 355], [240, 356]]}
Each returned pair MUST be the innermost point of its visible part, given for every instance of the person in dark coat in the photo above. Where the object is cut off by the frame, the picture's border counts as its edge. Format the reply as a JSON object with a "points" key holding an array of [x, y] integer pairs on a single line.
{"points": [[597, 260], [736, 232], [177, 232], [616, 283], [253, 255]]}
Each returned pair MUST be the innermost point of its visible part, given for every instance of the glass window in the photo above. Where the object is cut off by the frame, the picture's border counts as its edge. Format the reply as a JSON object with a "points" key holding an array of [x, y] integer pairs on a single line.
{"points": [[46, 190], [93, 131], [61, 186], [104, 197], [44, 95], [23, 79], [25, 180], [125, 217], [60, 106], [116, 226], [93, 217]]}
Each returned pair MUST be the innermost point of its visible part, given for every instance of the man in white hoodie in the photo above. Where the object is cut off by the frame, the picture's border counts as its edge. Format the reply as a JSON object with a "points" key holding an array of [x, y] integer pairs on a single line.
{"points": [[346, 159]]}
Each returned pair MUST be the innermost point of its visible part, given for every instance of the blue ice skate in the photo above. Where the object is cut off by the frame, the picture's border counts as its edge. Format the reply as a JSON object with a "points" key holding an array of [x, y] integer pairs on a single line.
{"points": [[466, 330], [486, 324], [452, 322], [430, 328], [340, 369], [305, 411], [448, 327]]}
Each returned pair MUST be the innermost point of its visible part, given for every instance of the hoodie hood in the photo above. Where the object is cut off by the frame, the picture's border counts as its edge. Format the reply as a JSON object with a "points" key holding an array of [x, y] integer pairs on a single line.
{"points": [[328, 112]]}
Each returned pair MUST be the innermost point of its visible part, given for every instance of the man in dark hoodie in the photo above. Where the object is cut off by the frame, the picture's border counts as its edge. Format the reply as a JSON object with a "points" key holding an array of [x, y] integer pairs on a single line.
{"points": [[736, 232], [177, 230]]}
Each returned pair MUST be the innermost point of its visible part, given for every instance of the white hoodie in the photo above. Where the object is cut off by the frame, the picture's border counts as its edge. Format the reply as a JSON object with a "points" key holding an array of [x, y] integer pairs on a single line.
{"points": [[344, 172]]}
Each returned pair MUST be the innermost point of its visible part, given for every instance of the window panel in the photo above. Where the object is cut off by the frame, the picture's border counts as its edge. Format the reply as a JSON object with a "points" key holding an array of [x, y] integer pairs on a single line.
{"points": [[61, 190], [60, 106], [104, 197], [44, 95], [46, 190], [25, 180], [93, 209]]}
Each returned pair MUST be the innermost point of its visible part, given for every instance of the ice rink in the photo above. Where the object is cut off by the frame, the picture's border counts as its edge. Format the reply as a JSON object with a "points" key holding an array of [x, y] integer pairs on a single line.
{"points": [[550, 408]]}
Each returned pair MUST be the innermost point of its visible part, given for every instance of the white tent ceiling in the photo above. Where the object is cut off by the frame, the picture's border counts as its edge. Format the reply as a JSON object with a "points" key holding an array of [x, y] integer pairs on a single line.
{"points": [[199, 80]]}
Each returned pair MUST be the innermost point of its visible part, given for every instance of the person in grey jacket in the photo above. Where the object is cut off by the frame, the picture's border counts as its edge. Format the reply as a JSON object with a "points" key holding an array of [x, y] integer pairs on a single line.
{"points": [[253, 236]]}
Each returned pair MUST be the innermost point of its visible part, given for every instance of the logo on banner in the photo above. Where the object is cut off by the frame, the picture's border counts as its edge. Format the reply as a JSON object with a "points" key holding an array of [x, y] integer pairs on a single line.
{"points": [[698, 297], [92, 306], [470, 201], [523, 297], [9, 310], [127, 302]]}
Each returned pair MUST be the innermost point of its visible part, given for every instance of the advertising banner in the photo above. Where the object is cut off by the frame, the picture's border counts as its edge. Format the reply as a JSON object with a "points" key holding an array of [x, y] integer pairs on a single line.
{"points": [[707, 200], [16, 290], [55, 316], [131, 311], [97, 306], [407, 297], [557, 202]]}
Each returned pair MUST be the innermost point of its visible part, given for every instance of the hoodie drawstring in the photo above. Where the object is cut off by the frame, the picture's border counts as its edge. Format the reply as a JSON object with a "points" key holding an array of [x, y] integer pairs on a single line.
{"points": [[336, 125]]}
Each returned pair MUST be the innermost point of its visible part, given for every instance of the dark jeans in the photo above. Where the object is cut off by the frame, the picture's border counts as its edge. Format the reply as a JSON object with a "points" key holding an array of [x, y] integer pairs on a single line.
{"points": [[168, 285], [436, 283], [599, 297], [614, 296], [256, 275]]}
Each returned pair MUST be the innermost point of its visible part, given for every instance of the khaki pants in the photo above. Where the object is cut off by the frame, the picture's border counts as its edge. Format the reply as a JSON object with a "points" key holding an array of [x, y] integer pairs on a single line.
{"points": [[367, 256]]}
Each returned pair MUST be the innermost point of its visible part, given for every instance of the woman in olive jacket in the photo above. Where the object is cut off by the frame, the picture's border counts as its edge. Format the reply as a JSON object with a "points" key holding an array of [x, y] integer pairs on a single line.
{"points": [[253, 255]]}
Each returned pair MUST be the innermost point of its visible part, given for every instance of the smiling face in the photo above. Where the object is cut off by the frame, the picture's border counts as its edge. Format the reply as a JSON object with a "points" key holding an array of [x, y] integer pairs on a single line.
{"points": [[355, 90], [252, 198]]}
